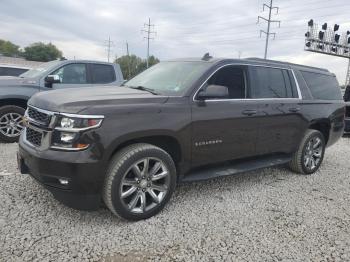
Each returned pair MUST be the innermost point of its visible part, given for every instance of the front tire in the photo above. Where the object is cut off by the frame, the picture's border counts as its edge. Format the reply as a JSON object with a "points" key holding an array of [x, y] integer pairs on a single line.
{"points": [[11, 123], [140, 180], [309, 156]]}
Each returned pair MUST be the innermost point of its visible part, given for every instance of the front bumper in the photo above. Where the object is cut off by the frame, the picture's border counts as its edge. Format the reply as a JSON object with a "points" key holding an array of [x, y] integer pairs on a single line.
{"points": [[84, 174]]}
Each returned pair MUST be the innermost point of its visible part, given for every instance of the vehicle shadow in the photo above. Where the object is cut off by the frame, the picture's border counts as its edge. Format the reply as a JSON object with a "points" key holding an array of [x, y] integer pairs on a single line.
{"points": [[184, 194]]}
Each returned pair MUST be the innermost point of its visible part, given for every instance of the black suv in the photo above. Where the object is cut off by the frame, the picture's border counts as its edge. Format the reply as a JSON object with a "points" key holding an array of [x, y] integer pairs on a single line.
{"points": [[180, 120]]}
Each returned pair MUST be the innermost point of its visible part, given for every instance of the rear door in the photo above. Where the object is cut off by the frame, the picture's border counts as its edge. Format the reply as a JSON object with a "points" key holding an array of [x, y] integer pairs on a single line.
{"points": [[281, 124], [102, 74], [224, 129]]}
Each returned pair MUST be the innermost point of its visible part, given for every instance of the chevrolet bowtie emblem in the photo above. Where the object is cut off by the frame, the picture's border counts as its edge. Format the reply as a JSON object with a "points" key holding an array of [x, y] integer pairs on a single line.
{"points": [[25, 121]]}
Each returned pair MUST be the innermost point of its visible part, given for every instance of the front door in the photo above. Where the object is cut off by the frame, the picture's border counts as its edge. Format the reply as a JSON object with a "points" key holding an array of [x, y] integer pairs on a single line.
{"points": [[72, 75], [225, 128]]}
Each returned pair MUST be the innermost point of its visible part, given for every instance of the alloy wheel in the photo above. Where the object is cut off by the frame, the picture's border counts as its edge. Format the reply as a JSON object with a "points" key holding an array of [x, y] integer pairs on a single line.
{"points": [[313, 153], [11, 124], [144, 185]]}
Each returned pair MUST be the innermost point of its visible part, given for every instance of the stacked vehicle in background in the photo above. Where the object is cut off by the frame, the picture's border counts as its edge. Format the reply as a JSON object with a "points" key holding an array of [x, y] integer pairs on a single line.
{"points": [[16, 91]]}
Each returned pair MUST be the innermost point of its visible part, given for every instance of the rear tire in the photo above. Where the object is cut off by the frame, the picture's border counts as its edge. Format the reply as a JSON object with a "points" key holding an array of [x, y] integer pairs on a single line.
{"points": [[11, 123], [309, 156], [140, 180]]}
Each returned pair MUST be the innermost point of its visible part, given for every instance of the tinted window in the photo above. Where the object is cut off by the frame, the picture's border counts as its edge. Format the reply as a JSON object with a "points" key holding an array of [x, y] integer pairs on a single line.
{"points": [[11, 71], [270, 83], [231, 77], [323, 87], [102, 74], [72, 74]]}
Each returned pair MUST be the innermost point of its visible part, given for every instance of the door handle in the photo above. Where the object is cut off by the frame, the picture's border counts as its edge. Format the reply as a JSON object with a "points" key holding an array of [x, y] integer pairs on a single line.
{"points": [[294, 109], [249, 112]]}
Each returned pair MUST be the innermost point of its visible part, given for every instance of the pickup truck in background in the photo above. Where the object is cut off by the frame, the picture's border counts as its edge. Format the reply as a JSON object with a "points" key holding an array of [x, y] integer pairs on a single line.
{"points": [[16, 91], [12, 70]]}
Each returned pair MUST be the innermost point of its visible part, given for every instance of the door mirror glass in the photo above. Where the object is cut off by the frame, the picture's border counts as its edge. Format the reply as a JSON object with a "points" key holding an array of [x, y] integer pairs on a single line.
{"points": [[213, 92]]}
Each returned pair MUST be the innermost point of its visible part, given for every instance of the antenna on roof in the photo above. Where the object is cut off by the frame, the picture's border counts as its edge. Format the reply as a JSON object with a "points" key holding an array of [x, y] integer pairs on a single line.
{"points": [[206, 57]]}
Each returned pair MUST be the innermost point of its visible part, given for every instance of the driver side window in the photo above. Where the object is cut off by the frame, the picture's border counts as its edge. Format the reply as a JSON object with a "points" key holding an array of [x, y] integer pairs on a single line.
{"points": [[72, 74], [233, 77]]}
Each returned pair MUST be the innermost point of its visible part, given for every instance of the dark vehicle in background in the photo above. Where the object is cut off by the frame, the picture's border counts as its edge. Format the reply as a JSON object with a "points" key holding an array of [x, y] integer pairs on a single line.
{"points": [[181, 120], [347, 114], [58, 74], [9, 70]]}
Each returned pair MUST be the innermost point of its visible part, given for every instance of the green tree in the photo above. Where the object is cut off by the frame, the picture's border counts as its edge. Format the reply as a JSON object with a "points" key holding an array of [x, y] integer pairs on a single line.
{"points": [[8, 48], [132, 65], [42, 52]]}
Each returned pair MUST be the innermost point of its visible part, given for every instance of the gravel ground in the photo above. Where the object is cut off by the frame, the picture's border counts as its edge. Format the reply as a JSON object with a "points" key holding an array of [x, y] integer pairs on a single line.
{"points": [[268, 215]]}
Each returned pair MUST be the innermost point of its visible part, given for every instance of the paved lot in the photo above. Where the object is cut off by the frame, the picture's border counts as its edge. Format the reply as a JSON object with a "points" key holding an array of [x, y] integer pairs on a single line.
{"points": [[267, 215]]}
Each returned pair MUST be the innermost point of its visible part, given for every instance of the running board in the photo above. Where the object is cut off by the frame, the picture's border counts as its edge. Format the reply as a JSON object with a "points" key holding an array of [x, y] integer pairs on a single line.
{"points": [[232, 168]]}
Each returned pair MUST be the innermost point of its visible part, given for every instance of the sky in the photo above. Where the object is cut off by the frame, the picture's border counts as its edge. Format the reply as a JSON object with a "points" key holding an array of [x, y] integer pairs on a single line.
{"points": [[225, 28]]}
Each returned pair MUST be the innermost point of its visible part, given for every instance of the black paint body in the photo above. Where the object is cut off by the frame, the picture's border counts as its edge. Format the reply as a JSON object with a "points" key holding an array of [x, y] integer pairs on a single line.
{"points": [[176, 124]]}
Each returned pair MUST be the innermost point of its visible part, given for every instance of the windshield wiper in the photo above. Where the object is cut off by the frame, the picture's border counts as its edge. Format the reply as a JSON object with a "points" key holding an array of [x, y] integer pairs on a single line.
{"points": [[150, 90]]}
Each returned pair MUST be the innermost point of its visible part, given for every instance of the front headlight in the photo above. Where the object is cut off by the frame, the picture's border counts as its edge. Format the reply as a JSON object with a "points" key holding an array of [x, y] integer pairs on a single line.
{"points": [[77, 124], [68, 131]]}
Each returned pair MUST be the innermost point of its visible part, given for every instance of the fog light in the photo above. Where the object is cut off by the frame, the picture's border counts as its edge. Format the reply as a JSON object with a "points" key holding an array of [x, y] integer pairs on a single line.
{"points": [[63, 181], [67, 137]]}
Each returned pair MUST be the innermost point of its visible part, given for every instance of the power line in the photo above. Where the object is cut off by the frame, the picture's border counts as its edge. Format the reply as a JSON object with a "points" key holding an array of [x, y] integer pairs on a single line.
{"points": [[147, 30], [269, 21]]}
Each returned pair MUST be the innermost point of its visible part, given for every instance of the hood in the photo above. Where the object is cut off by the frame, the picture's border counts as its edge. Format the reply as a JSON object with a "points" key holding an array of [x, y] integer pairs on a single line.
{"points": [[16, 81], [90, 99]]}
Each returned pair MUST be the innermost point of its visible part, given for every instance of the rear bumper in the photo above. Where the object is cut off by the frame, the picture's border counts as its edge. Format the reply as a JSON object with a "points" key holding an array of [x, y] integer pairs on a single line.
{"points": [[73, 178]]}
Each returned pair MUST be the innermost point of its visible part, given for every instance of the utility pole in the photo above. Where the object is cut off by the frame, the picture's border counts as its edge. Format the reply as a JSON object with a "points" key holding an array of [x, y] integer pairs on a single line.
{"points": [[147, 30], [108, 44], [127, 52], [269, 21]]}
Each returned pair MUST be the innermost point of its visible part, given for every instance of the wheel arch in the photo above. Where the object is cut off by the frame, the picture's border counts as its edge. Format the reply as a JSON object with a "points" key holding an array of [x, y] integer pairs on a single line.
{"points": [[21, 102], [322, 125], [167, 142]]}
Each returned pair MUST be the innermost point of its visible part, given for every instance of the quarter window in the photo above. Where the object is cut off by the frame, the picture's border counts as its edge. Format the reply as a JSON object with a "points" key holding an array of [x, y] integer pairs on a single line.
{"points": [[270, 83], [72, 74], [102, 74], [324, 87]]}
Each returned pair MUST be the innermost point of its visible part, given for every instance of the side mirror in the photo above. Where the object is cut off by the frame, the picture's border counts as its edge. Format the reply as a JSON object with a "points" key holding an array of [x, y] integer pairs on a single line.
{"points": [[52, 79], [213, 92]]}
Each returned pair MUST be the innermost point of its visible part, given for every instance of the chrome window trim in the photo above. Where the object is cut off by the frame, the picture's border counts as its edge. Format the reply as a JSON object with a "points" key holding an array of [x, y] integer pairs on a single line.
{"points": [[250, 99]]}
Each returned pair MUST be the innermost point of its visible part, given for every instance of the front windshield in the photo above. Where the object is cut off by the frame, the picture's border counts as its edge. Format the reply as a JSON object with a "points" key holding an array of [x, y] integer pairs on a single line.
{"points": [[41, 69], [169, 78]]}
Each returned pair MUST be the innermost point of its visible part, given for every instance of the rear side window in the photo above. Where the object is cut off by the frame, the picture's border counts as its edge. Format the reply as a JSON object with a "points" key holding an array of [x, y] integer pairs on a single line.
{"points": [[324, 87], [11, 71], [102, 74], [270, 83]]}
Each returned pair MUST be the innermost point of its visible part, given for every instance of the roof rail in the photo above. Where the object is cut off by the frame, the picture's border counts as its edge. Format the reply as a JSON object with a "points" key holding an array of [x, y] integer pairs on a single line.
{"points": [[285, 63]]}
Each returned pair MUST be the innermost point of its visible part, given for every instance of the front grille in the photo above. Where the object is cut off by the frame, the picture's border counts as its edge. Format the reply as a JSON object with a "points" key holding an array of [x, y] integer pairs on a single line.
{"points": [[39, 116], [33, 137]]}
